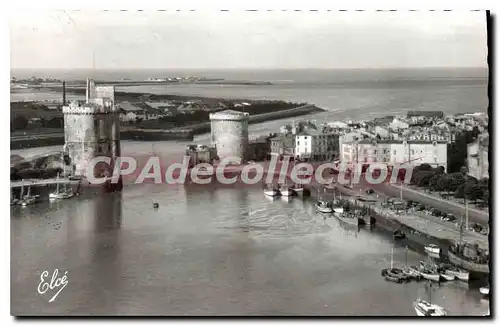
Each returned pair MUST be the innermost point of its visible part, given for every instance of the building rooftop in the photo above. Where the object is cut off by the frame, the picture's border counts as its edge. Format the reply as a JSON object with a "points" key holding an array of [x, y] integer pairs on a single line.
{"points": [[229, 114]]}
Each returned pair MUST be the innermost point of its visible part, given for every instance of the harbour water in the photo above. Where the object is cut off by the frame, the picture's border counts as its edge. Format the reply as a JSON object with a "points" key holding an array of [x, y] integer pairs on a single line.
{"points": [[209, 252], [212, 251]]}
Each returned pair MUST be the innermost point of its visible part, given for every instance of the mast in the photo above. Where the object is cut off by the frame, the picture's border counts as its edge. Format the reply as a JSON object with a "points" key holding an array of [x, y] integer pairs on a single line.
{"points": [[22, 190], [57, 183], [392, 257], [406, 256]]}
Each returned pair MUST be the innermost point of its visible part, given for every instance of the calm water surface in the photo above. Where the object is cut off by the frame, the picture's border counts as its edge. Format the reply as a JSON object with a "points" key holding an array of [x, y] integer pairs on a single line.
{"points": [[209, 252]]}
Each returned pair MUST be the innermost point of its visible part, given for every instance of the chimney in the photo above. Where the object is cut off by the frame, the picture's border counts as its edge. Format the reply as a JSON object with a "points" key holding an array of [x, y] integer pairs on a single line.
{"points": [[64, 93]]}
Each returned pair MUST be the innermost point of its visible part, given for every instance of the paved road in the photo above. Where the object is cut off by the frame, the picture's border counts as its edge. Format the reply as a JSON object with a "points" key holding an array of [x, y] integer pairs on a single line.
{"points": [[438, 203]]}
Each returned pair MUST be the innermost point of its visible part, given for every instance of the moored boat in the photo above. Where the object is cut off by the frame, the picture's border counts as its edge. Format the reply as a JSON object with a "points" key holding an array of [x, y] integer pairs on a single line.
{"points": [[287, 191], [467, 264], [433, 249], [460, 274], [485, 290], [323, 207], [398, 235], [271, 192], [447, 277], [390, 278], [430, 275], [424, 308]]}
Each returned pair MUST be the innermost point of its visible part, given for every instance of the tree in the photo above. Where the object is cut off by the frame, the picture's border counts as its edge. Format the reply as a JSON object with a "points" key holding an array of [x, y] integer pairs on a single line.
{"points": [[443, 182], [422, 178], [433, 182]]}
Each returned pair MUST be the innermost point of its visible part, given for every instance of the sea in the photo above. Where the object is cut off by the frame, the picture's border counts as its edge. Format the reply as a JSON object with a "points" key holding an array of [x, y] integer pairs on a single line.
{"points": [[233, 252]]}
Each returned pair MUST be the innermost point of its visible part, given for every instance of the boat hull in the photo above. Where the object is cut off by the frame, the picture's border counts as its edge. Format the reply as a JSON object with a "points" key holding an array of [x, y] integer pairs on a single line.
{"points": [[432, 250], [348, 220], [431, 277], [287, 193], [271, 193], [326, 210], [461, 275], [484, 290], [468, 265], [447, 277]]}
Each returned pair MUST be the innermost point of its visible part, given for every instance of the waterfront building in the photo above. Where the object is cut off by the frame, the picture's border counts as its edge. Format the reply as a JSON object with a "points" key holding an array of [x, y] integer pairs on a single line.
{"points": [[259, 149], [229, 133], [398, 124], [92, 128], [283, 145], [200, 154], [477, 157], [315, 145], [395, 152]]}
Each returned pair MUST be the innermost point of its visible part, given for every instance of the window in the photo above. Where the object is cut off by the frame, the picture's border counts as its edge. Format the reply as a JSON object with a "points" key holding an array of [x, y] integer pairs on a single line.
{"points": [[374, 151], [298, 143], [394, 152]]}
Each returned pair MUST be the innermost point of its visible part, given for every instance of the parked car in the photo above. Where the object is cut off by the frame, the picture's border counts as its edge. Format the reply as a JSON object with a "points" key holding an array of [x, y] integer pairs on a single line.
{"points": [[369, 191]]}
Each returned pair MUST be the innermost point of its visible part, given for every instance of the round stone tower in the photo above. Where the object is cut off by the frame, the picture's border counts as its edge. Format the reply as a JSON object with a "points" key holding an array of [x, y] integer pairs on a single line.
{"points": [[88, 132], [229, 130]]}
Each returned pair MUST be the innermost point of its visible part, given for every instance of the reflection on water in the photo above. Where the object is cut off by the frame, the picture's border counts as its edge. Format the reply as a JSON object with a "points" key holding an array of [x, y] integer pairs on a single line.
{"points": [[208, 251]]}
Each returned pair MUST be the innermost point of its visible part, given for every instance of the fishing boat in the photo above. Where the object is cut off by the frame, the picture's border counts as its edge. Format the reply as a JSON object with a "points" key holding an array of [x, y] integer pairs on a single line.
{"points": [[460, 274], [447, 277], [457, 253], [455, 259], [432, 248], [427, 308], [409, 271], [394, 273], [398, 235], [271, 192], [485, 290], [287, 191], [430, 275], [391, 278], [61, 192], [323, 207], [424, 308], [353, 221], [28, 199]]}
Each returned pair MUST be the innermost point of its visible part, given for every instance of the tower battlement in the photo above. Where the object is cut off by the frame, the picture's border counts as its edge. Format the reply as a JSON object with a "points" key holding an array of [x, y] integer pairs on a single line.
{"points": [[87, 109]]}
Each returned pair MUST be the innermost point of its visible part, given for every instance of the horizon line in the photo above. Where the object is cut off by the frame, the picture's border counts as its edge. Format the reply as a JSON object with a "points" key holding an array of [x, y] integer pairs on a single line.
{"points": [[259, 68]]}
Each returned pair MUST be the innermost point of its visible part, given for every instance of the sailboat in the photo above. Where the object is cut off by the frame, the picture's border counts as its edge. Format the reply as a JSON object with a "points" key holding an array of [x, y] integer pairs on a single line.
{"points": [[411, 272], [426, 308], [28, 199], [394, 274], [454, 258], [270, 191], [63, 193], [322, 206]]}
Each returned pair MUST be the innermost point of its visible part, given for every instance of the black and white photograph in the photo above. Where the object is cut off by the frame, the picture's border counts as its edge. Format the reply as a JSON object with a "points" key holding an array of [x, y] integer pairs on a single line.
{"points": [[271, 163]]}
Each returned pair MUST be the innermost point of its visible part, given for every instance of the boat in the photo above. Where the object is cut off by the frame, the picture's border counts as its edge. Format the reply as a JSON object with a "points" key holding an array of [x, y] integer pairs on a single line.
{"points": [[394, 273], [455, 259], [398, 235], [447, 277], [271, 192], [412, 272], [430, 275], [424, 308], [390, 278], [323, 207], [61, 192], [354, 221], [28, 199], [485, 290], [460, 274], [287, 191], [427, 308], [432, 248]]}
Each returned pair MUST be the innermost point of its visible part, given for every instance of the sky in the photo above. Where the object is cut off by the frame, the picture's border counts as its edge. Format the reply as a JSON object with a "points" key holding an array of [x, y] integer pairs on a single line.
{"points": [[242, 40]]}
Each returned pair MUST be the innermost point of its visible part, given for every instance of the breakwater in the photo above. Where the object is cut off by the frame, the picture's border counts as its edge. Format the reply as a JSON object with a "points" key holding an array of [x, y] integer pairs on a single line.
{"points": [[204, 127], [127, 134]]}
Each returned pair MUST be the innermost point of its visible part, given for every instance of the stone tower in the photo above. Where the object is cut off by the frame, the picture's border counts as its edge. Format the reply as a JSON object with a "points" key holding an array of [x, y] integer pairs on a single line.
{"points": [[92, 129], [229, 130]]}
